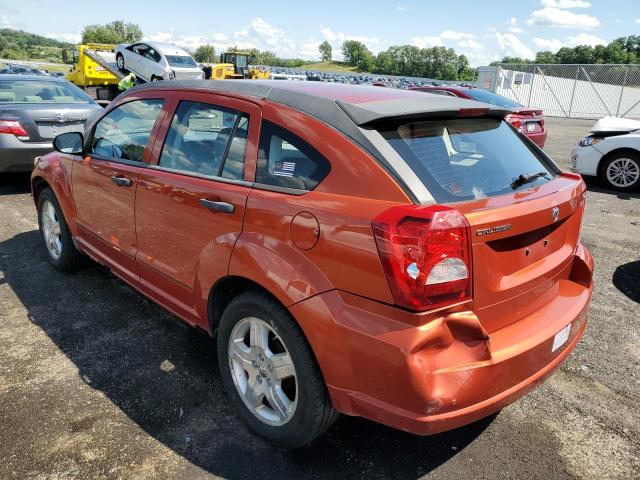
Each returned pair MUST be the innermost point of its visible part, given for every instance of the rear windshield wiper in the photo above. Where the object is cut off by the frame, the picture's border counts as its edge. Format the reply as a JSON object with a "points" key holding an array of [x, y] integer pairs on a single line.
{"points": [[524, 178]]}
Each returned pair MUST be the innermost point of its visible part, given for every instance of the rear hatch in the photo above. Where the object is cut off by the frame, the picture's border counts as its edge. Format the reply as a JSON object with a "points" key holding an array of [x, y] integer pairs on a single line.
{"points": [[522, 245], [524, 214]]}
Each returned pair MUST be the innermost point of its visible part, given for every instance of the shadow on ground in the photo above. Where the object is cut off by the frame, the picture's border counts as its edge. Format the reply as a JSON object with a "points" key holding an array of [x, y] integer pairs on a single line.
{"points": [[626, 278], [594, 185], [161, 374], [12, 183]]}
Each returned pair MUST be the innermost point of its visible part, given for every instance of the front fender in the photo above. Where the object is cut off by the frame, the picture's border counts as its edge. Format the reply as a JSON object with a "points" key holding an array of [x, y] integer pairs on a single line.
{"points": [[277, 266], [55, 170]]}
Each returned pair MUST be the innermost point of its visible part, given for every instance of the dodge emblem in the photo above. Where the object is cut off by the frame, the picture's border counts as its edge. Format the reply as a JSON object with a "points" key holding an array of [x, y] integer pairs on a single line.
{"points": [[555, 212]]}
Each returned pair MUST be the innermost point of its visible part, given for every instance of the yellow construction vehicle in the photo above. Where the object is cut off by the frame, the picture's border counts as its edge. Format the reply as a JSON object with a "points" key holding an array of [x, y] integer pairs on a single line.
{"points": [[234, 65], [94, 70]]}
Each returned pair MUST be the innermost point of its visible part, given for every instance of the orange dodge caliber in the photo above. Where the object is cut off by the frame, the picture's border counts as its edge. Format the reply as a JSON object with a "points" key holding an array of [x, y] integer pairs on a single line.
{"points": [[405, 257]]}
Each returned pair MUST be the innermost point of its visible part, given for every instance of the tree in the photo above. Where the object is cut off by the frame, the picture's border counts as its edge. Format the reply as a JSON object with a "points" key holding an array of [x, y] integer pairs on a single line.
{"points": [[205, 54], [354, 52], [325, 51], [114, 32]]}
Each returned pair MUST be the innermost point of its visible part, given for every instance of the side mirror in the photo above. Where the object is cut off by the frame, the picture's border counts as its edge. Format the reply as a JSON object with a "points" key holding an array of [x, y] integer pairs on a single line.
{"points": [[70, 142]]}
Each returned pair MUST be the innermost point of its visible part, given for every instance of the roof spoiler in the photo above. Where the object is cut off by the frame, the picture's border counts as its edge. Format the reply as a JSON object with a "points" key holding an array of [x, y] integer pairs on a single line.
{"points": [[371, 113]]}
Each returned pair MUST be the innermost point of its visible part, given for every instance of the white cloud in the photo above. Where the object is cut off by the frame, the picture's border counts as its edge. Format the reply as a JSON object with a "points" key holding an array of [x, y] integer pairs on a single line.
{"points": [[637, 20], [400, 8], [551, 44], [426, 42], [261, 32], [566, 3], [585, 39], [554, 17], [463, 43], [512, 46], [452, 35], [512, 25], [64, 36], [554, 44]]}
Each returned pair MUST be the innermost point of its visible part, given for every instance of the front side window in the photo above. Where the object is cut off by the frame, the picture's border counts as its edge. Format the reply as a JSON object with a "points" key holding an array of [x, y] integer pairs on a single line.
{"points": [[207, 140], [285, 160], [467, 159], [124, 132]]}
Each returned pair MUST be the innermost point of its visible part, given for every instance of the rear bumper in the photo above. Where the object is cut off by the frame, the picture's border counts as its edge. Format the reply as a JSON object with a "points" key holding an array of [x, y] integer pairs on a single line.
{"points": [[430, 377], [17, 156], [539, 138]]}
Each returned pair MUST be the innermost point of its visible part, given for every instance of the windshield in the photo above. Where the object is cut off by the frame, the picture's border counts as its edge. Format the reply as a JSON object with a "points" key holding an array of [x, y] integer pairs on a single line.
{"points": [[181, 61], [492, 98], [466, 159], [41, 91]]}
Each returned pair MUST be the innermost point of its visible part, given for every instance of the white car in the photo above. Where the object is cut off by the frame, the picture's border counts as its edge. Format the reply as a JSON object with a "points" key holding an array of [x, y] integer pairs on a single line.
{"points": [[153, 61], [611, 152]]}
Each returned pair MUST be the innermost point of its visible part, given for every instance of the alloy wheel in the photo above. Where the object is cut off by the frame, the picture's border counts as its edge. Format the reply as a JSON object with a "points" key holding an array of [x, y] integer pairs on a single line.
{"points": [[623, 172], [263, 372], [51, 230]]}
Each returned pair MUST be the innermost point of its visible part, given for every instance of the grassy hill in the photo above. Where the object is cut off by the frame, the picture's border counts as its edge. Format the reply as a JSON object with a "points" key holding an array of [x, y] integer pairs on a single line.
{"points": [[19, 45], [333, 67]]}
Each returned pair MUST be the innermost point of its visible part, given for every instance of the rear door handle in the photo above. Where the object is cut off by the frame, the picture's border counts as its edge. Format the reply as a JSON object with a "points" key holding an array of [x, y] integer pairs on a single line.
{"points": [[121, 181], [223, 207]]}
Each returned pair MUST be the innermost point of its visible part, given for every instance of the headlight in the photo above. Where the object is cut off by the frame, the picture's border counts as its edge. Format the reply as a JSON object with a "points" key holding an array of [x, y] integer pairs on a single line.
{"points": [[588, 141]]}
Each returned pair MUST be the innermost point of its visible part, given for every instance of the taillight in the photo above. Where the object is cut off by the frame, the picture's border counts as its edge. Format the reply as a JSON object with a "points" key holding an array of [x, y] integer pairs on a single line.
{"points": [[515, 120], [426, 255], [13, 127]]}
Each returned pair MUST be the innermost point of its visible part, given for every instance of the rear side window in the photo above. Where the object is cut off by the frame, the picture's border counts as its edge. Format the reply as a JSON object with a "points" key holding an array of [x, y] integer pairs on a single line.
{"points": [[285, 160], [123, 133], [466, 159], [206, 139]]}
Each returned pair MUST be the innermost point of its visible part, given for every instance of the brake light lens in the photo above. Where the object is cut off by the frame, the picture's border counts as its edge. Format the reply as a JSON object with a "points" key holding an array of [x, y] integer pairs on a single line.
{"points": [[515, 120], [13, 127], [426, 255]]}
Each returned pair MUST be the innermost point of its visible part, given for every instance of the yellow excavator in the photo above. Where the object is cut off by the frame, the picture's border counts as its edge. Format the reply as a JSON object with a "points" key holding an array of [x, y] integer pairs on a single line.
{"points": [[234, 65]]}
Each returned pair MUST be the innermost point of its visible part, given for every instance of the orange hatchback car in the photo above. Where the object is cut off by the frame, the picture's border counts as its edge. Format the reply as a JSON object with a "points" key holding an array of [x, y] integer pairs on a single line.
{"points": [[406, 257]]}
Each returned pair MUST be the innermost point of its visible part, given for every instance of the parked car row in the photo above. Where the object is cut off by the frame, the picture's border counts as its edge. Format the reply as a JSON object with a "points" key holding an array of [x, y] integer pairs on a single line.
{"points": [[404, 257], [28, 70]]}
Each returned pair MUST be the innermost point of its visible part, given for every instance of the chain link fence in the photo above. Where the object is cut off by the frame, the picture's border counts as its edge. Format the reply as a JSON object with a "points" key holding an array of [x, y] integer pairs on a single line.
{"points": [[574, 91]]}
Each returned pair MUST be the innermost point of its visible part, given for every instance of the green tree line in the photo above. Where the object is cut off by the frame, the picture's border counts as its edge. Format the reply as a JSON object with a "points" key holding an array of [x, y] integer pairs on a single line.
{"points": [[622, 50]]}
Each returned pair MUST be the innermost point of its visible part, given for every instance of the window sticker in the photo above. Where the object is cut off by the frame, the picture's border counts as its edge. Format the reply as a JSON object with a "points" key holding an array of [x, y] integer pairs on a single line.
{"points": [[284, 169]]}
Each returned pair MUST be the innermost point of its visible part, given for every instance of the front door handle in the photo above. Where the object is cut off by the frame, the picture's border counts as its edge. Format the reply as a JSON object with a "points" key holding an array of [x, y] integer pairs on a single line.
{"points": [[223, 207], [121, 181]]}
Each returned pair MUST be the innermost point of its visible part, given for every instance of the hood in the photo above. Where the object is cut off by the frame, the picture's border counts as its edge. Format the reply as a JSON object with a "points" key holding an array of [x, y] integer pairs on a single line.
{"points": [[615, 125]]}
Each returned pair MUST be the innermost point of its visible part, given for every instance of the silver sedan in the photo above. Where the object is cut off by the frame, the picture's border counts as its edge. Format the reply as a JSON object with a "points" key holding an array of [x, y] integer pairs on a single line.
{"points": [[153, 61]]}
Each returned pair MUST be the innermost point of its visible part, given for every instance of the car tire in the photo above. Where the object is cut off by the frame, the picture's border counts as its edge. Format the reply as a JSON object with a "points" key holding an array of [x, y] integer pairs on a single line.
{"points": [[62, 253], [120, 61], [305, 410], [621, 171], [155, 79]]}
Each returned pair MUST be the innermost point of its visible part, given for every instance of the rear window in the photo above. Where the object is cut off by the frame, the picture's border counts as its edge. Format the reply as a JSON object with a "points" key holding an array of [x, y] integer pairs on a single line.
{"points": [[491, 98], [41, 91], [467, 159]]}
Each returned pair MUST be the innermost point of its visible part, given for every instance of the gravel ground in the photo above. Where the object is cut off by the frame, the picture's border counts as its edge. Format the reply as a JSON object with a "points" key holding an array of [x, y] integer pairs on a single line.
{"points": [[97, 382]]}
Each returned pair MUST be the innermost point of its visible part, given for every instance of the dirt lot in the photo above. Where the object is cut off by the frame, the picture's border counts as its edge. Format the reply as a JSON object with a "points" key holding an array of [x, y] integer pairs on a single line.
{"points": [[97, 382]]}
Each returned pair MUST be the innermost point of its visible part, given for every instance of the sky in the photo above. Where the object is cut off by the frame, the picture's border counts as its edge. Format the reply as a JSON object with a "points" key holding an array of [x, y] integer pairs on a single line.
{"points": [[482, 30]]}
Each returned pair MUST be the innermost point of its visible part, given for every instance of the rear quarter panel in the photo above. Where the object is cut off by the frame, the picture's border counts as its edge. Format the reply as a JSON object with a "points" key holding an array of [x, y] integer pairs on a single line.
{"points": [[345, 256]]}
